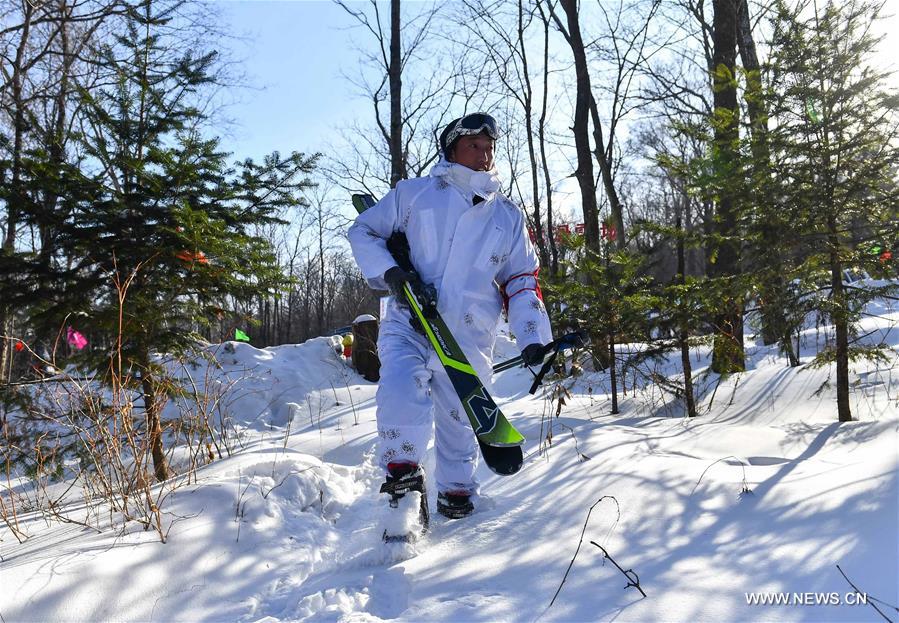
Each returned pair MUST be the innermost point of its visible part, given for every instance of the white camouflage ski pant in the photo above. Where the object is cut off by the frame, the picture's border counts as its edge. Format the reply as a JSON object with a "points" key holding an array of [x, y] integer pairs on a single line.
{"points": [[415, 396]]}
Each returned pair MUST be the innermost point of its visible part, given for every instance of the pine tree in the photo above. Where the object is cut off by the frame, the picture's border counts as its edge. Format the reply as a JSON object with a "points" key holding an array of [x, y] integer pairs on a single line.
{"points": [[606, 293], [160, 234], [834, 142]]}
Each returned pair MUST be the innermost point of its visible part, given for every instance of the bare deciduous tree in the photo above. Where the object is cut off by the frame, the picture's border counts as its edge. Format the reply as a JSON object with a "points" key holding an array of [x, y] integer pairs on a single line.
{"points": [[401, 142], [571, 30]]}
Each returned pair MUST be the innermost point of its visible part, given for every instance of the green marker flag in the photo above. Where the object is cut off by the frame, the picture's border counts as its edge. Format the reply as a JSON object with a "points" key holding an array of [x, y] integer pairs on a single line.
{"points": [[240, 336], [810, 110]]}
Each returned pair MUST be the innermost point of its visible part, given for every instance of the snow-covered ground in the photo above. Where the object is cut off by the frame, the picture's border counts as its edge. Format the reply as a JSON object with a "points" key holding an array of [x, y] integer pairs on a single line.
{"points": [[764, 494]]}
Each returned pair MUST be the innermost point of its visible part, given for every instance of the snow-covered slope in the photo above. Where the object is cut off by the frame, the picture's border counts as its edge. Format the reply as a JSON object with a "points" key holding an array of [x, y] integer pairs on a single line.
{"points": [[763, 493]]}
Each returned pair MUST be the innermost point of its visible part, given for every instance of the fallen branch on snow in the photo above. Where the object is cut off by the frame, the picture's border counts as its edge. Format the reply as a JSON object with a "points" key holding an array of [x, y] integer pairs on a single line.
{"points": [[581, 541]]}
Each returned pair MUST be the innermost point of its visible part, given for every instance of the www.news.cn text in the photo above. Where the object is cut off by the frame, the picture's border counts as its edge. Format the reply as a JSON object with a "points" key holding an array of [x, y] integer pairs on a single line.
{"points": [[806, 599]]}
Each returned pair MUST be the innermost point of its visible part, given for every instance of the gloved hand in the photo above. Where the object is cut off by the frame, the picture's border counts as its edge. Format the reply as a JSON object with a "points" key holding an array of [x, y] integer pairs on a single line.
{"points": [[533, 354], [396, 277], [426, 294]]}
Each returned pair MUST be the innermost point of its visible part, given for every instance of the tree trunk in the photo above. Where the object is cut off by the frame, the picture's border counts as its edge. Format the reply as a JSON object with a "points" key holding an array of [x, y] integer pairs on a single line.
{"points": [[613, 373], [153, 404], [755, 105], [541, 132], [771, 260], [57, 139], [683, 331], [583, 95], [15, 203], [728, 354], [605, 169], [291, 298], [840, 321], [394, 72], [320, 308], [528, 99], [265, 339]]}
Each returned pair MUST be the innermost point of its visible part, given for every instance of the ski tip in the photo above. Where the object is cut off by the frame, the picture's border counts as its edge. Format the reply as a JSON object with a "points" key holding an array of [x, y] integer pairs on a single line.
{"points": [[363, 201]]}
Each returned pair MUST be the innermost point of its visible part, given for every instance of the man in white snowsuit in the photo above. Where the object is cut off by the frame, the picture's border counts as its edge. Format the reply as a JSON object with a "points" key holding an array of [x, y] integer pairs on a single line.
{"points": [[471, 244]]}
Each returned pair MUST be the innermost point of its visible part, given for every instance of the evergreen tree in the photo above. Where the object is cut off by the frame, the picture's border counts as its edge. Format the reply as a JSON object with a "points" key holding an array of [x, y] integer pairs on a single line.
{"points": [[834, 142], [160, 231], [605, 293]]}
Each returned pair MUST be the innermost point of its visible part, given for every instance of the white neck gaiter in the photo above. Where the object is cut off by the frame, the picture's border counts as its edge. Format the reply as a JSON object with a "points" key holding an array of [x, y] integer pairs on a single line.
{"points": [[480, 183]]}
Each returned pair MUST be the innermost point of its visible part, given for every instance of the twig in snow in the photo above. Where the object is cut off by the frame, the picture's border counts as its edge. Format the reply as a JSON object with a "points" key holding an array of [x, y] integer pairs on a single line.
{"points": [[868, 598], [714, 391], [336, 401], [238, 511], [632, 578], [581, 541], [581, 456], [341, 368], [292, 410], [283, 480], [734, 393], [177, 519], [745, 488]]}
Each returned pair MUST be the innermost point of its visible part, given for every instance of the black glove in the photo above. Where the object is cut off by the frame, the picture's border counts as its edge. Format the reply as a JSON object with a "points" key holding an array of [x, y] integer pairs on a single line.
{"points": [[533, 354], [396, 277], [426, 294]]}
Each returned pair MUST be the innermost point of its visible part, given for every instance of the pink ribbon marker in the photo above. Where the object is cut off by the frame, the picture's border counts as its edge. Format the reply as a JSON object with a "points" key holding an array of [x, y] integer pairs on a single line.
{"points": [[75, 339]]}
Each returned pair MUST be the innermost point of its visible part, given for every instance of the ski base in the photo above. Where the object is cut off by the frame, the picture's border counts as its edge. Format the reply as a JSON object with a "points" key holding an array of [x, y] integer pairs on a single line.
{"points": [[502, 460]]}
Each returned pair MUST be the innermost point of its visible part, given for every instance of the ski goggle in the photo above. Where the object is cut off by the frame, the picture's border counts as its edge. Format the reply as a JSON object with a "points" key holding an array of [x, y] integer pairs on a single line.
{"points": [[468, 125]]}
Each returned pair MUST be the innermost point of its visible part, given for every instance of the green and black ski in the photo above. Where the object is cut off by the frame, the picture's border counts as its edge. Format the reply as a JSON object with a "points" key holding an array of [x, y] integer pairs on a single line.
{"points": [[500, 442]]}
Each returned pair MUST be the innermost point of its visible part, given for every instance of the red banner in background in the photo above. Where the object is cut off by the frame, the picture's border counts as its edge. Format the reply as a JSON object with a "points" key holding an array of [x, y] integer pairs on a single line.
{"points": [[607, 232]]}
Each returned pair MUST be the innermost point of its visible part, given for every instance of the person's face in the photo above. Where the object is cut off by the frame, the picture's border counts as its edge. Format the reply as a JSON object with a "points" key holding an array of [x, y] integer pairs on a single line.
{"points": [[474, 152]]}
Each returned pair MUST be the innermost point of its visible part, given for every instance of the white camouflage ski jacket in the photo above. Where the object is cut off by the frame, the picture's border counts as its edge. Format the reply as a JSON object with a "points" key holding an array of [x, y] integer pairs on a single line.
{"points": [[472, 254]]}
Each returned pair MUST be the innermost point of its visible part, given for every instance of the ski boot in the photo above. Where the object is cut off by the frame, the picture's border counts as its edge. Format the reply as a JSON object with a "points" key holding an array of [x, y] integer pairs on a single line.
{"points": [[454, 504], [403, 478]]}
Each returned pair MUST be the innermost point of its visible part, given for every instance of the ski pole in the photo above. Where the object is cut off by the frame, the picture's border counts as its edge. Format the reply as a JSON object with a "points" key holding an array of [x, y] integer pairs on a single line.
{"points": [[573, 339], [569, 340]]}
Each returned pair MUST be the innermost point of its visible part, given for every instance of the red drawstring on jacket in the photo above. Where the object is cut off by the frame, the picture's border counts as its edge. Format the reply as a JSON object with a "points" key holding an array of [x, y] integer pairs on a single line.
{"points": [[507, 297]]}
